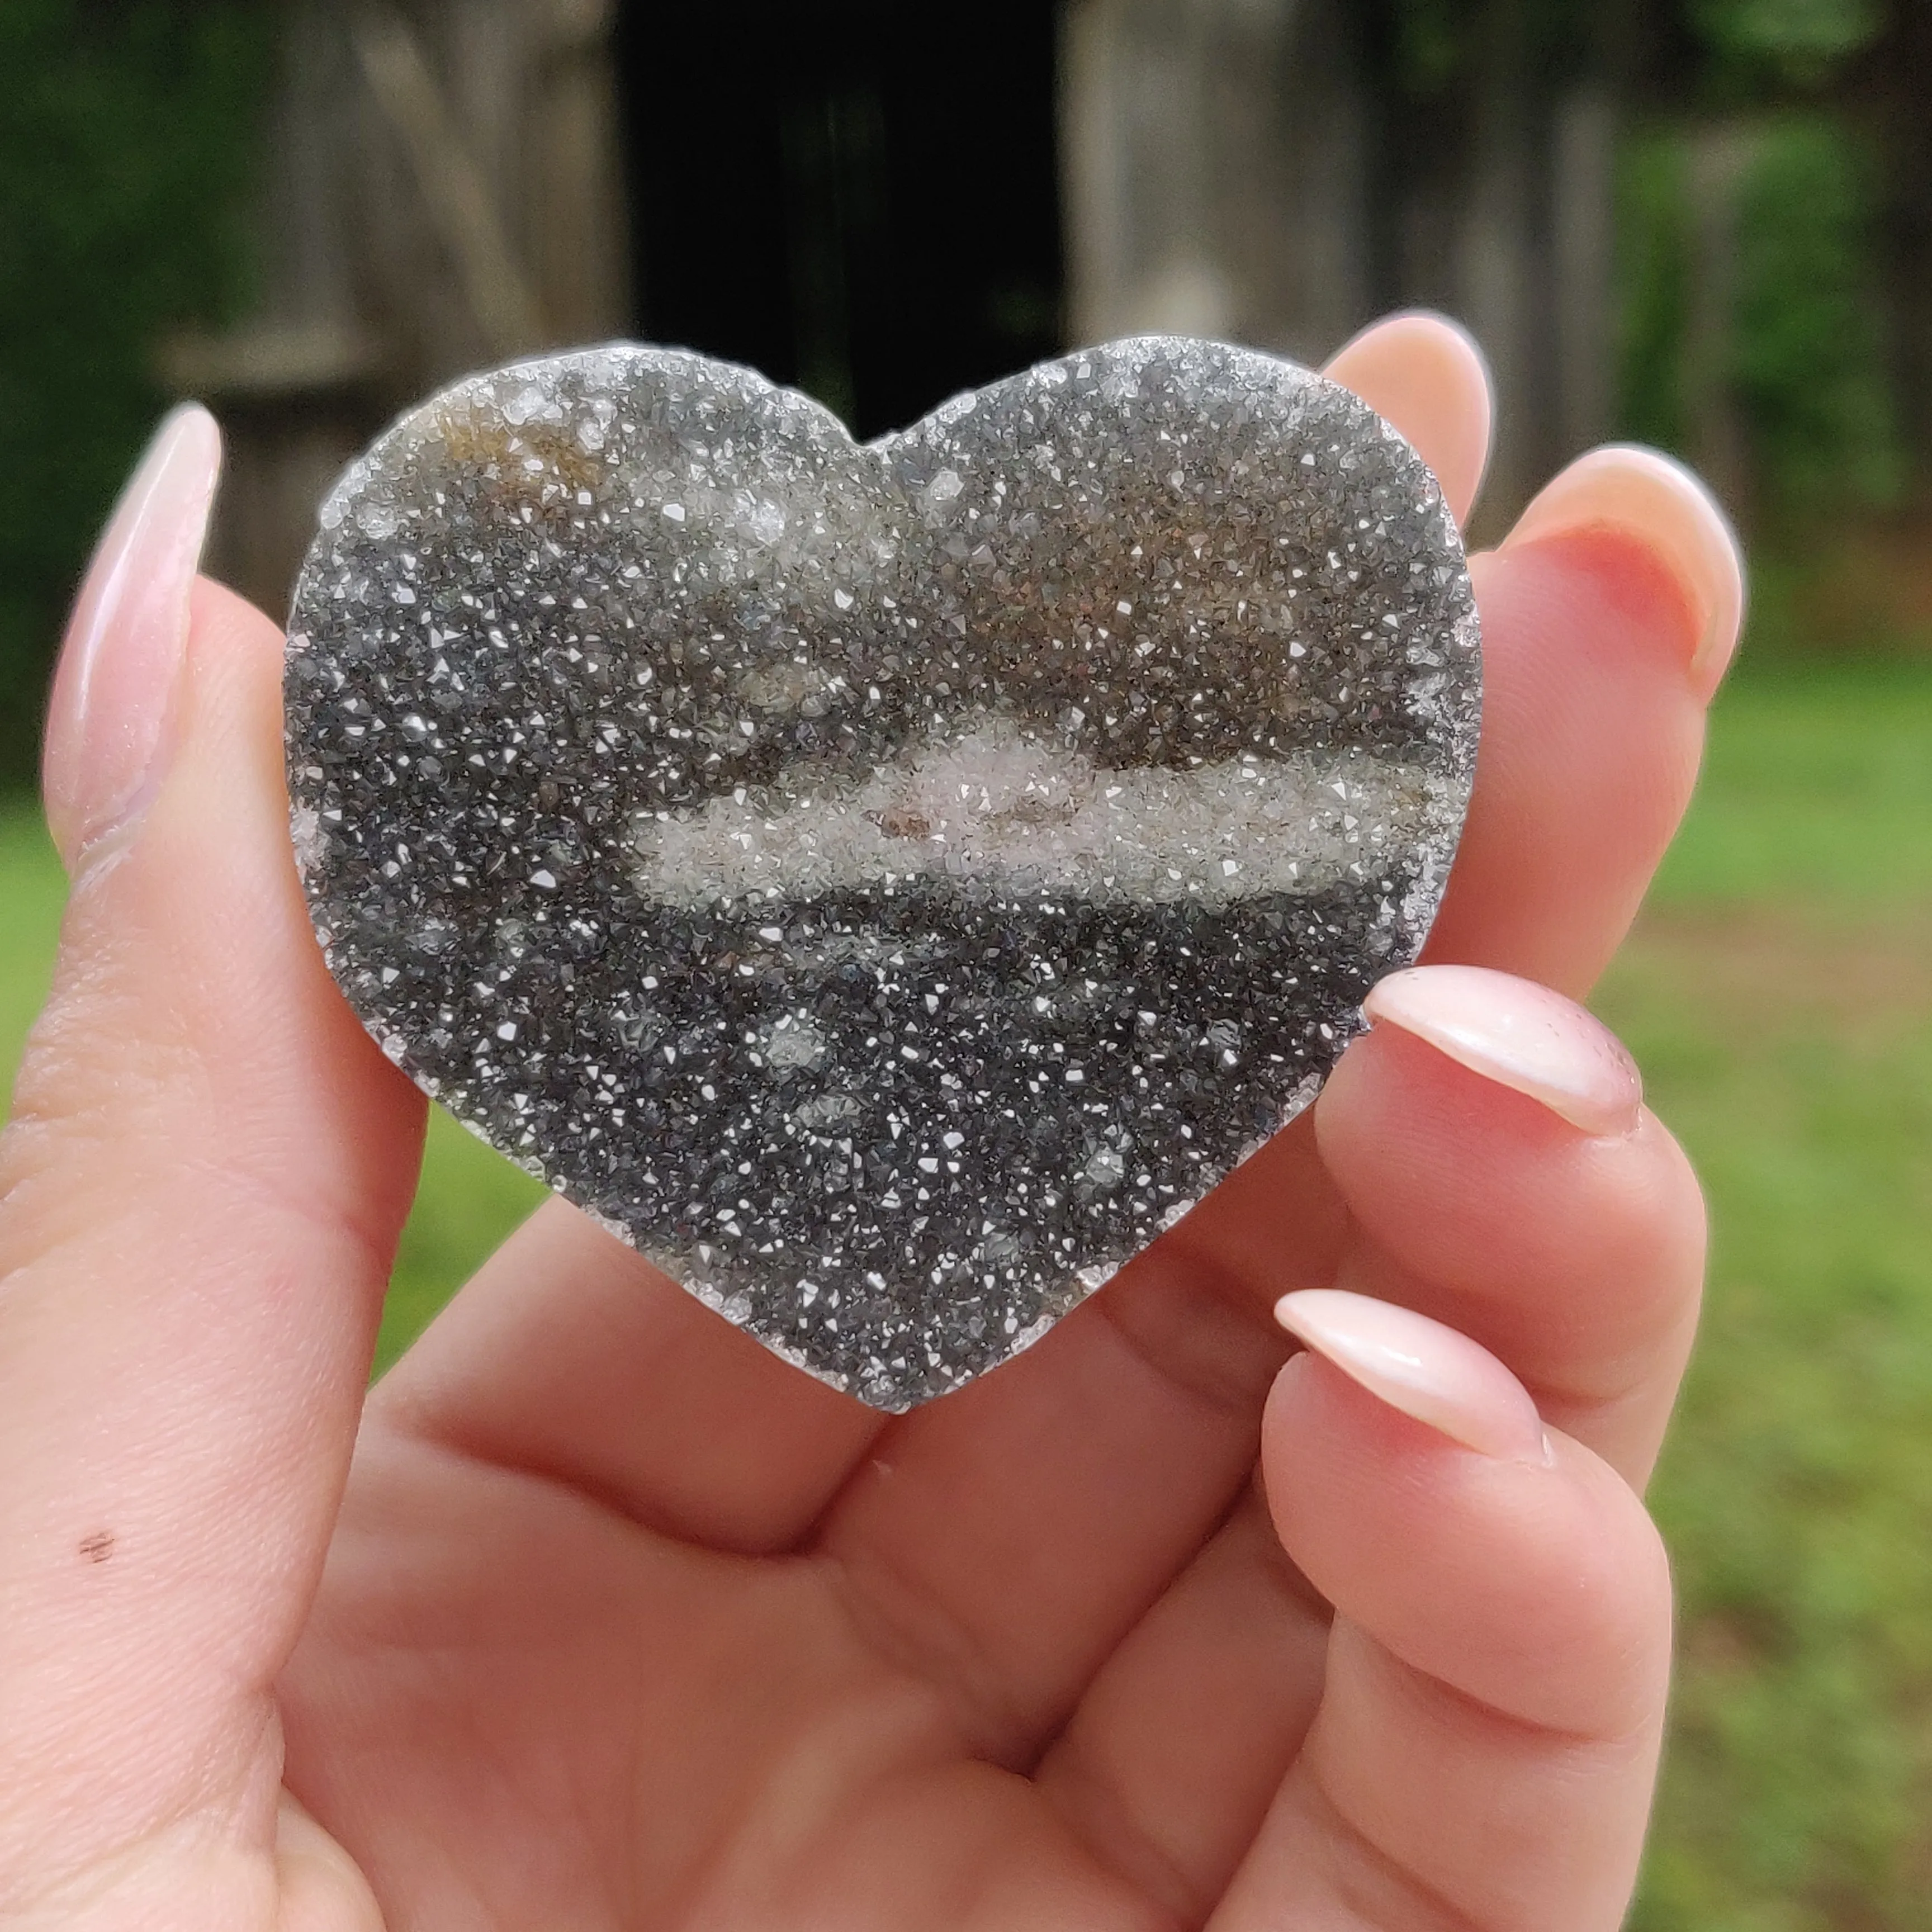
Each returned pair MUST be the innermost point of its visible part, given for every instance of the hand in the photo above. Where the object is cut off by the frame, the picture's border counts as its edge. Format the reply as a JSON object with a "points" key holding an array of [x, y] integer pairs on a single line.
{"points": [[596, 1615]]}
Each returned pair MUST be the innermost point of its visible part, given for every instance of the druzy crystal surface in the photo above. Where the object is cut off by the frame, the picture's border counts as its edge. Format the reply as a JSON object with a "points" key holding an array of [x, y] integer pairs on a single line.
{"points": [[887, 884]]}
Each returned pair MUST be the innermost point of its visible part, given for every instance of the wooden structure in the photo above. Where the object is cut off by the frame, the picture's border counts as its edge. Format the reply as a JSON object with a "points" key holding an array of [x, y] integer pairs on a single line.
{"points": [[443, 189], [1251, 168], [857, 196]]}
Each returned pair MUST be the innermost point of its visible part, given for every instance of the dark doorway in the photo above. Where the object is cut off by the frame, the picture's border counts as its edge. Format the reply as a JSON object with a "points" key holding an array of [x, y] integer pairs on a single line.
{"points": [[857, 196]]}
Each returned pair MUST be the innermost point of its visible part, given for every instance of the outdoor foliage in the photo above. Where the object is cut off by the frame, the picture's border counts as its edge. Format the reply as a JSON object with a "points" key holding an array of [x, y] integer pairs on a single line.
{"points": [[1803, 350], [1789, 43], [1788, 235], [1654, 272], [1809, 357], [126, 134]]}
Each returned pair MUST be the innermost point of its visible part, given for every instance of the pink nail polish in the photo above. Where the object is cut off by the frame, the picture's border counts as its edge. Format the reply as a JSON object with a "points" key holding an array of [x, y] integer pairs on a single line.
{"points": [[1520, 1035], [1623, 487], [1427, 374], [114, 691], [1428, 1373]]}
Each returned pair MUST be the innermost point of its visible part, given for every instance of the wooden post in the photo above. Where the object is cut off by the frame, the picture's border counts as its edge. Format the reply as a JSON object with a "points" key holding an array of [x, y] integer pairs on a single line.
{"points": [[1719, 156], [1253, 168], [1213, 167], [1583, 267], [443, 190]]}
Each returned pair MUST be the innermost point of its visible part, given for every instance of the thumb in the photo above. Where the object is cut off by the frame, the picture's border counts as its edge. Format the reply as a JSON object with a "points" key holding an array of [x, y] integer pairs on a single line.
{"points": [[200, 1196], [1490, 1718]]}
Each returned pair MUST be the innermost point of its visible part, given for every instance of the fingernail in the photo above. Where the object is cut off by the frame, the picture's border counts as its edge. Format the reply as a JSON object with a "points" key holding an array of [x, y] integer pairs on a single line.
{"points": [[1627, 488], [1429, 1372], [113, 701], [1520, 1035], [1427, 374]]}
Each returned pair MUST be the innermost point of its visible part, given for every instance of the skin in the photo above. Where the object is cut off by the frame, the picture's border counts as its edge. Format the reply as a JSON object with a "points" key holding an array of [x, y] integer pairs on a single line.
{"points": [[594, 1615]]}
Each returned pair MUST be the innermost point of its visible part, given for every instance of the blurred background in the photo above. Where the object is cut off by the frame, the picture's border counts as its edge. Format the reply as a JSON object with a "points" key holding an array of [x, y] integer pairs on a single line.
{"points": [[1704, 223]]}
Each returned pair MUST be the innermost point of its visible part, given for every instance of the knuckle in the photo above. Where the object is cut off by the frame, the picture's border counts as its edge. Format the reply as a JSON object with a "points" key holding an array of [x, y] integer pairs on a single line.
{"points": [[102, 1086], [1620, 1608]]}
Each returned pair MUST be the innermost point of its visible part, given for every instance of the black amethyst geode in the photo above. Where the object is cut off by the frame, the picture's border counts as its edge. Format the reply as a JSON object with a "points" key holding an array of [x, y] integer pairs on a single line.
{"points": [[887, 885]]}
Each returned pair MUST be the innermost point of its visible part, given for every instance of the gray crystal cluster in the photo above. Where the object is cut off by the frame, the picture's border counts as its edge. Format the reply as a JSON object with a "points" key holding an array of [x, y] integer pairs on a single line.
{"points": [[886, 884]]}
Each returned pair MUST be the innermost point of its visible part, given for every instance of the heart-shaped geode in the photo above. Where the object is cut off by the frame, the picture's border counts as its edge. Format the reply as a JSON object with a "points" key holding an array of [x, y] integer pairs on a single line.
{"points": [[888, 885]]}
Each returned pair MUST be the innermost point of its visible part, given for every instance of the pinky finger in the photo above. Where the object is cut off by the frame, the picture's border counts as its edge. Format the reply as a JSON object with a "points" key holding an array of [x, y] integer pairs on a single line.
{"points": [[1487, 1739]]}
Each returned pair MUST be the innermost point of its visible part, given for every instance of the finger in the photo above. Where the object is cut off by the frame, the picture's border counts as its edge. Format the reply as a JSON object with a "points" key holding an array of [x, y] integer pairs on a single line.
{"points": [[202, 1186], [1168, 1767], [1603, 641], [1489, 1140], [1626, 489], [1502, 1176], [1427, 376], [1489, 1723], [571, 1357], [1609, 615], [1101, 1459]]}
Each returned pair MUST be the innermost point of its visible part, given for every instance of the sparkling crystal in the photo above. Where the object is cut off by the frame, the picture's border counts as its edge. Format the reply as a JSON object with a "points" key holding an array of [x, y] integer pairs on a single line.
{"points": [[887, 885]]}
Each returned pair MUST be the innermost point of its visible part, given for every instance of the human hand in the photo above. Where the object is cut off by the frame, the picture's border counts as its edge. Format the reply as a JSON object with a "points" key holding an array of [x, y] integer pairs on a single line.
{"points": [[597, 1615]]}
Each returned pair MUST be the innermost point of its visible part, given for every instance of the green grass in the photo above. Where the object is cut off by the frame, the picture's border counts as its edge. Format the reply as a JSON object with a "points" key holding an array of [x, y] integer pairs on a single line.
{"points": [[1796, 1492], [32, 890], [1817, 790], [470, 1197], [1779, 994]]}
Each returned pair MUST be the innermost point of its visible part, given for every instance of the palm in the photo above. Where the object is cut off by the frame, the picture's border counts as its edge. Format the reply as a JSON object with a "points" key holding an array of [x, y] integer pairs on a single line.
{"points": [[931, 1686]]}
